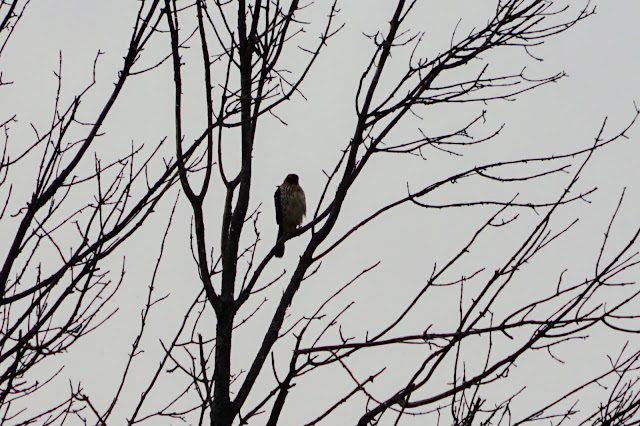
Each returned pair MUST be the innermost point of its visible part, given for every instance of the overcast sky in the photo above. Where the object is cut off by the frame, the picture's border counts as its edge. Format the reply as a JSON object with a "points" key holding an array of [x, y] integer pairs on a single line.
{"points": [[599, 55]]}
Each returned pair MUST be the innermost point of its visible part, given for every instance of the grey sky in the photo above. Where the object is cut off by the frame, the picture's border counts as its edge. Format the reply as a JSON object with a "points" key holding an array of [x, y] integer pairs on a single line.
{"points": [[600, 56]]}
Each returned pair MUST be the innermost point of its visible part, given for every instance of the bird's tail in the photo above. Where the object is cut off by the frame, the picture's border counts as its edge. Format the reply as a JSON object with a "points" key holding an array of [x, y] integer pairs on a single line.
{"points": [[279, 250]]}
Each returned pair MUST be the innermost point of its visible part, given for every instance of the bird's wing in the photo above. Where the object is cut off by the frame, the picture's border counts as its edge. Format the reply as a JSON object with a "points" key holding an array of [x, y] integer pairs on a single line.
{"points": [[278, 204], [304, 203]]}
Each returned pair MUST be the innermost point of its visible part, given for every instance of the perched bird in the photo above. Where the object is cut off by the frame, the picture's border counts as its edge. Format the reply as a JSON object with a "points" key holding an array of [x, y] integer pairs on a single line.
{"points": [[291, 206]]}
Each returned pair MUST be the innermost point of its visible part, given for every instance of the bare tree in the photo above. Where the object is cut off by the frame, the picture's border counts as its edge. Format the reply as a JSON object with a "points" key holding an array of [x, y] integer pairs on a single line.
{"points": [[52, 287], [454, 366]]}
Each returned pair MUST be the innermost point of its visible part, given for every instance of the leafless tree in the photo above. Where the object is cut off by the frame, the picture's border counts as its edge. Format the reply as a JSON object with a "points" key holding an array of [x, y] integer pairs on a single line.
{"points": [[55, 237], [54, 291]]}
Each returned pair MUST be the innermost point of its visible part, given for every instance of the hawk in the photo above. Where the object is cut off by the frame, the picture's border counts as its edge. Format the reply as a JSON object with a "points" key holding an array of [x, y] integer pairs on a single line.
{"points": [[291, 207]]}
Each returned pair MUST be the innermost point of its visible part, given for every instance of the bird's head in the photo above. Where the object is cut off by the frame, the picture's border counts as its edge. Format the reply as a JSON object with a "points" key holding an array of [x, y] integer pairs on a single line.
{"points": [[292, 178]]}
